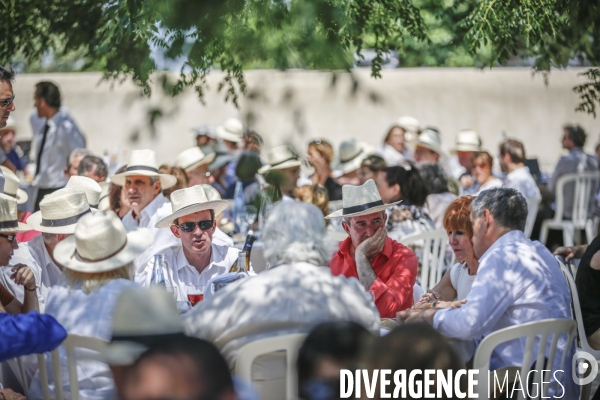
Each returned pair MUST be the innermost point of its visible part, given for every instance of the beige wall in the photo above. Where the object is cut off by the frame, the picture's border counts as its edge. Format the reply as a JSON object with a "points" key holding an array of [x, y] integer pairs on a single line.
{"points": [[296, 106]]}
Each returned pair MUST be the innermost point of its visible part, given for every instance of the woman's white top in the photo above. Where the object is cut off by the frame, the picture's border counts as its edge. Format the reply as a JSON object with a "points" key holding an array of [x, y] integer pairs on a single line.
{"points": [[461, 280]]}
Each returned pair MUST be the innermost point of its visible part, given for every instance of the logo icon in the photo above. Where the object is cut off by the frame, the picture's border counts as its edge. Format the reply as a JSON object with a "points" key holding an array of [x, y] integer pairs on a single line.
{"points": [[582, 361]]}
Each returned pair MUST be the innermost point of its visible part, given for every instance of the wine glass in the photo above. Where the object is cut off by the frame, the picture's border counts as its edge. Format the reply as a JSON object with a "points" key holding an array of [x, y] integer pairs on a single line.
{"points": [[240, 221], [251, 213]]}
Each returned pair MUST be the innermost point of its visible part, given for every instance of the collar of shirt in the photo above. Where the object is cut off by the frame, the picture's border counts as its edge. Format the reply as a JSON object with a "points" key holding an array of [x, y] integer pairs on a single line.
{"points": [[150, 209]]}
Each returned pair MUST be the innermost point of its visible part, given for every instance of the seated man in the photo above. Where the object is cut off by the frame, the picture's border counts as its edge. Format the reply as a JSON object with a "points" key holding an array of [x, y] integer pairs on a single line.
{"points": [[195, 164], [195, 259], [385, 267], [518, 281], [93, 167]]}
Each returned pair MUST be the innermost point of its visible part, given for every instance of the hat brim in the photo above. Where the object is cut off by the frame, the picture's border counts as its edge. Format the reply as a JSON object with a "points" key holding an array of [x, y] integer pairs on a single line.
{"points": [[284, 165], [21, 227], [431, 147], [138, 240], [230, 137], [22, 196], [340, 213], [166, 180], [205, 160], [219, 161], [217, 205], [351, 165], [465, 147], [35, 222]]}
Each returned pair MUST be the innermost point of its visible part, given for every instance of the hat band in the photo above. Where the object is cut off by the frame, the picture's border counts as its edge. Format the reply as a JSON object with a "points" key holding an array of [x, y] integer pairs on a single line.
{"points": [[295, 158], [352, 158], [49, 223], [89, 260], [9, 224], [141, 168], [14, 196], [362, 207]]}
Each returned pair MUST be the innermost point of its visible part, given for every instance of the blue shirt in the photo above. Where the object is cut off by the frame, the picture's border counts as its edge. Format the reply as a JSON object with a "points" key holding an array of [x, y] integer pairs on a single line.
{"points": [[30, 333]]}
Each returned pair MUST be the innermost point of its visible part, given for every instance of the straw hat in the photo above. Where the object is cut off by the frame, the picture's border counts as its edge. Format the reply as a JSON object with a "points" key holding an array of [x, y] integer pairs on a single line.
{"points": [[409, 124], [210, 192], [431, 140], [101, 243], [350, 156], [205, 130], [467, 140], [8, 215], [90, 187], [232, 130], [11, 186], [104, 203], [188, 201], [360, 200], [192, 158], [143, 162], [280, 157], [60, 211]]}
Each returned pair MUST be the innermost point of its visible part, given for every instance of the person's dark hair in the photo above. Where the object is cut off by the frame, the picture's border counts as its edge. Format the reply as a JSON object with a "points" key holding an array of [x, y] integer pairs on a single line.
{"points": [[252, 137], [413, 188], [576, 134], [114, 194], [508, 206], [92, 164], [49, 92], [341, 342], [247, 167], [374, 162], [211, 378], [434, 177], [389, 132], [516, 150], [7, 75], [484, 156]]}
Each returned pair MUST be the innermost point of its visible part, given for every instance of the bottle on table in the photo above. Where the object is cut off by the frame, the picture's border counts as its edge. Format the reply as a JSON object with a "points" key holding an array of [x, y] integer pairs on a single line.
{"points": [[243, 262]]}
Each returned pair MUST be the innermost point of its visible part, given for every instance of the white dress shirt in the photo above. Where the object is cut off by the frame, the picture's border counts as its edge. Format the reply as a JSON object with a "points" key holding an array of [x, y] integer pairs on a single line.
{"points": [[157, 209], [182, 278], [520, 179], [518, 281], [89, 315], [62, 138], [35, 255]]}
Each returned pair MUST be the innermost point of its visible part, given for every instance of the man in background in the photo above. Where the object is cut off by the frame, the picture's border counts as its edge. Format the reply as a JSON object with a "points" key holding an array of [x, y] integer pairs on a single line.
{"points": [[93, 167], [74, 160]]}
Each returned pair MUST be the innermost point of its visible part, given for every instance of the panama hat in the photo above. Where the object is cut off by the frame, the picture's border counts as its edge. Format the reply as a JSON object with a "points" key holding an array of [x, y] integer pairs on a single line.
{"points": [[360, 200], [60, 211], [431, 140], [409, 124], [192, 158], [100, 243], [11, 186], [350, 155], [467, 140], [188, 201], [205, 130], [8, 215], [143, 162], [232, 130], [280, 157], [104, 203], [90, 187]]}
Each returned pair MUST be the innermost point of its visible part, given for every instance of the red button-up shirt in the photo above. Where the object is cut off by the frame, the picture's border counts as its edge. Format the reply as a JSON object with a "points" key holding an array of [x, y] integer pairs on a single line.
{"points": [[396, 271]]}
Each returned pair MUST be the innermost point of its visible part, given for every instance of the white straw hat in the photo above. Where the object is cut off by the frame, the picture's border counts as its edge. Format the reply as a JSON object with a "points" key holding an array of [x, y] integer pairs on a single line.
{"points": [[280, 157], [409, 124], [188, 201], [360, 200], [431, 140], [60, 211], [101, 243], [90, 187], [11, 186], [8, 215], [467, 140], [232, 130], [192, 158], [350, 155], [104, 203], [205, 130], [143, 162]]}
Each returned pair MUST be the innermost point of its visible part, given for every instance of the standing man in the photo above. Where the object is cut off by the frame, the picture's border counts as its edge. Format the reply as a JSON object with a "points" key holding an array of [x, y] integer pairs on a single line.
{"points": [[385, 267], [54, 142], [7, 106]]}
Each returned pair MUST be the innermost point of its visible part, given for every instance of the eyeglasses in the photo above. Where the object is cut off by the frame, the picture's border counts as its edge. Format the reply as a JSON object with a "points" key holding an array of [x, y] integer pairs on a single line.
{"points": [[6, 103], [191, 225], [11, 238]]}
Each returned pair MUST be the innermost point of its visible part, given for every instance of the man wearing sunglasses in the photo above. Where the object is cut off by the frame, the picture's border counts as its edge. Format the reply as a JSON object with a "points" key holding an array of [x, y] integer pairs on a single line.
{"points": [[196, 258]]}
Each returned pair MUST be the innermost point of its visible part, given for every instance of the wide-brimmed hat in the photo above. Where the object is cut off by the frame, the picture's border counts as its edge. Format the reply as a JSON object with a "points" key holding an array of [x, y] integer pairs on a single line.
{"points": [[8, 215], [431, 140], [232, 130], [104, 202], [143, 162], [205, 130], [280, 157], [60, 211], [188, 201], [192, 158], [90, 187], [409, 124], [222, 156], [467, 140], [11, 186], [350, 155], [101, 243], [360, 200]]}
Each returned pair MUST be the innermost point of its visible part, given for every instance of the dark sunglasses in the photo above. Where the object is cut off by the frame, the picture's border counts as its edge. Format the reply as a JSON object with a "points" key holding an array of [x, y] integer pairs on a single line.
{"points": [[6, 103], [9, 238], [191, 225]]}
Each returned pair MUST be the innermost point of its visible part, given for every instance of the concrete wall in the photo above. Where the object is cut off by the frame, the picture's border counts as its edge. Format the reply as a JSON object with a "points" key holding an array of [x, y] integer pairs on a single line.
{"points": [[297, 106]]}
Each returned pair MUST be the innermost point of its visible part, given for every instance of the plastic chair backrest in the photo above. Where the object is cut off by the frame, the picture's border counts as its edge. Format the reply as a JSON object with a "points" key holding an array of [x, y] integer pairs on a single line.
{"points": [[532, 209], [288, 343], [584, 189], [547, 328], [434, 248]]}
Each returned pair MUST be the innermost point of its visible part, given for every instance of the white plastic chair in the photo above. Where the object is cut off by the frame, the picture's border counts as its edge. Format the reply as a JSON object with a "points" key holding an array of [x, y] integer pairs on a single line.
{"points": [[418, 292], [584, 189], [288, 343], [70, 343], [553, 328], [532, 209], [257, 258], [434, 245]]}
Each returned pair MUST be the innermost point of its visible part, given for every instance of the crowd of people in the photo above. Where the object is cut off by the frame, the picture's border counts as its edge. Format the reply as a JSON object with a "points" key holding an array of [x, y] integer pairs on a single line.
{"points": [[130, 255]]}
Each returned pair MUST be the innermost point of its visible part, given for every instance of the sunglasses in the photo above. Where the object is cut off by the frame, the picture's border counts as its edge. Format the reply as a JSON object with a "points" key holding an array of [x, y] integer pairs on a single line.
{"points": [[6, 103], [191, 225], [10, 238]]}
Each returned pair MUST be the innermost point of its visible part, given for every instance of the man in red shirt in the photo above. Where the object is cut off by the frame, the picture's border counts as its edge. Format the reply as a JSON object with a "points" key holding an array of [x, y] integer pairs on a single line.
{"points": [[382, 265]]}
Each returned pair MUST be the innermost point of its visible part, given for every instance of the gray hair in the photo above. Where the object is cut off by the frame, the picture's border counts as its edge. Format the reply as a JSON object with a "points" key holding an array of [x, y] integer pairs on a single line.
{"points": [[78, 153], [154, 179], [295, 232], [508, 207]]}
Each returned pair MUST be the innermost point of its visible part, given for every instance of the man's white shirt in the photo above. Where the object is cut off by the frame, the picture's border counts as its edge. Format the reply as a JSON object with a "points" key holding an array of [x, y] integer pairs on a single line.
{"points": [[157, 209]]}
